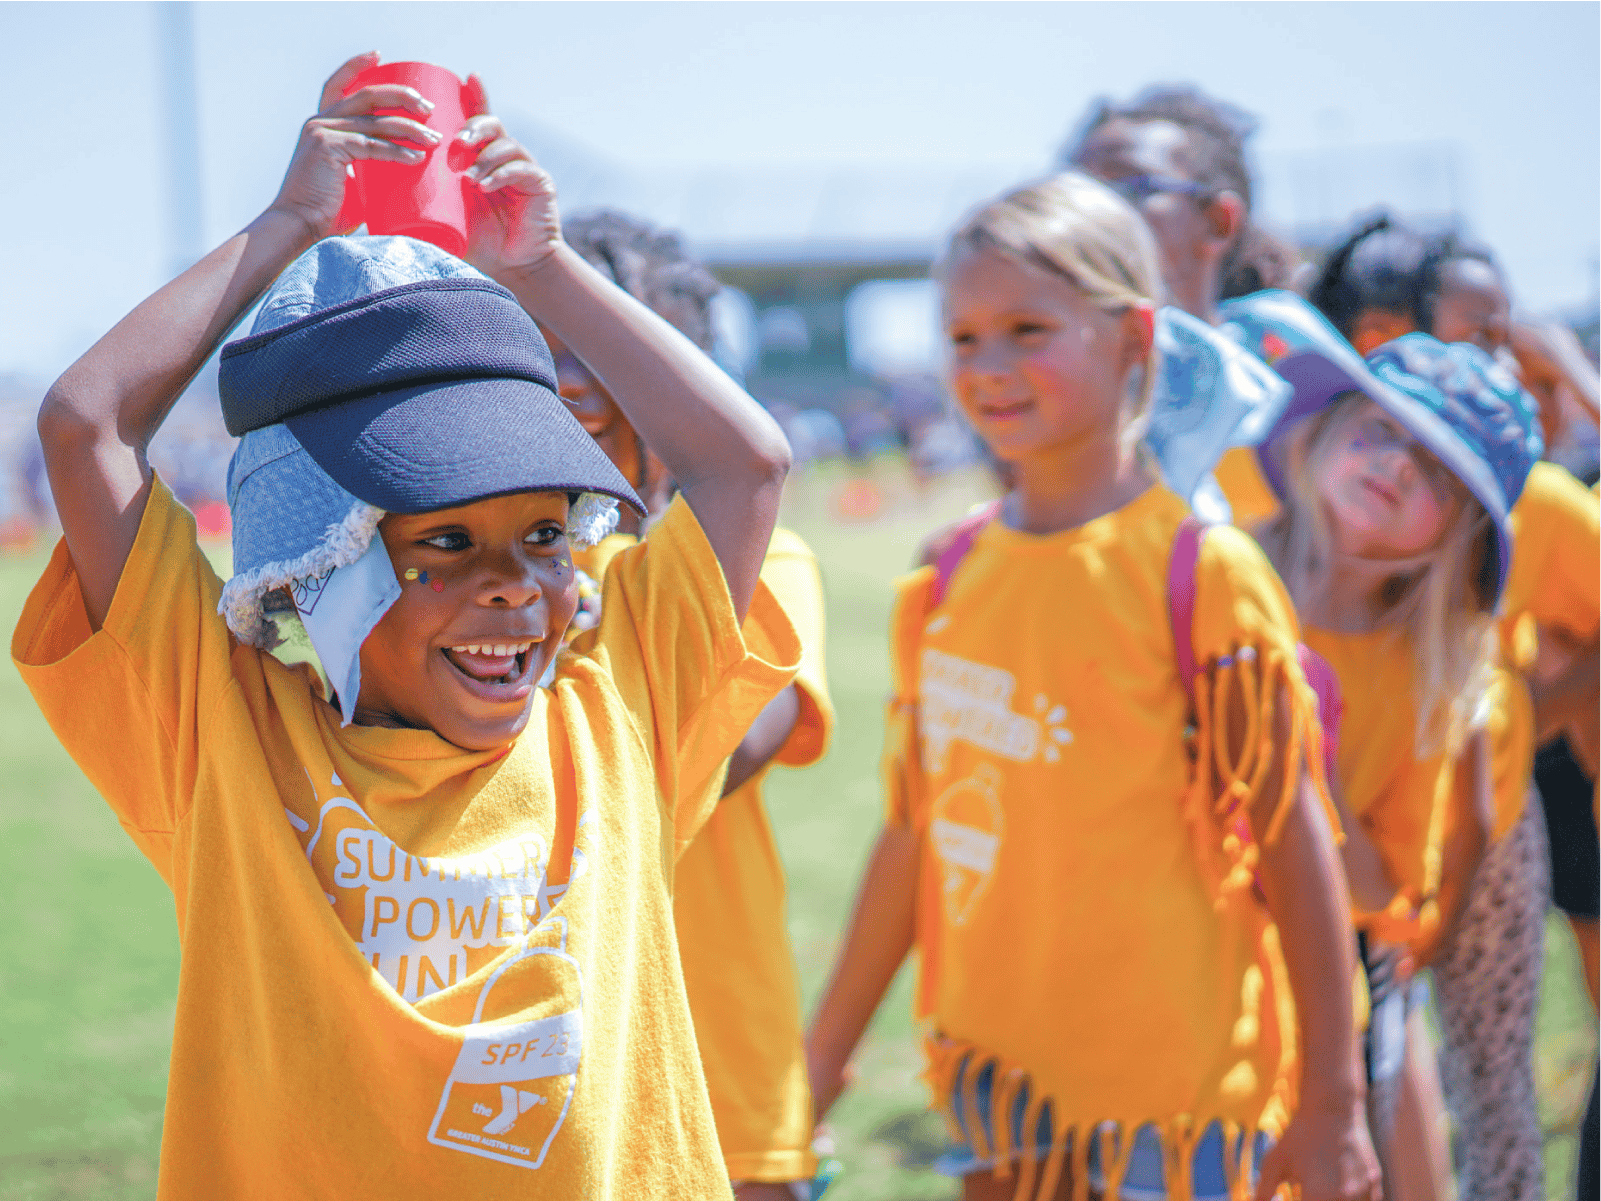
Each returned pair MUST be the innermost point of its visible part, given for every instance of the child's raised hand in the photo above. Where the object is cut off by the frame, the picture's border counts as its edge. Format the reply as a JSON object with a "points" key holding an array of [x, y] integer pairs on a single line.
{"points": [[518, 223], [346, 128]]}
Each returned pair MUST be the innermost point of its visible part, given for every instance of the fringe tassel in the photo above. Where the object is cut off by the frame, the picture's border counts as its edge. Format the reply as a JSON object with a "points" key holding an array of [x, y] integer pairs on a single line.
{"points": [[1081, 1164], [1052, 1176], [1223, 789], [953, 1072], [1029, 1166], [1178, 1149], [1006, 1097], [1115, 1163]]}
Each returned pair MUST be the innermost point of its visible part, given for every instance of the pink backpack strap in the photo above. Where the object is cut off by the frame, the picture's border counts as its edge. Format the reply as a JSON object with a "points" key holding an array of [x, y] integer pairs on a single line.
{"points": [[1181, 597], [962, 539], [1330, 702]]}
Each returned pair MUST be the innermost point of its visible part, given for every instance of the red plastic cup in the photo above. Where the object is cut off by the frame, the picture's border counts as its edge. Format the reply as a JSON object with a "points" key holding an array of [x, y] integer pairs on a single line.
{"points": [[426, 200]]}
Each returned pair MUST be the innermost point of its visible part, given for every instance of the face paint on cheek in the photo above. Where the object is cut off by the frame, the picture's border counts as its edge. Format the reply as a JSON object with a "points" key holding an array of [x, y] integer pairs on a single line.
{"points": [[412, 575]]}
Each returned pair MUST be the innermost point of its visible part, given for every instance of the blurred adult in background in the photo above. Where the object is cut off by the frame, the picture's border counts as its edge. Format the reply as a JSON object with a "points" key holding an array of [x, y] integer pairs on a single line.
{"points": [[1382, 281], [1178, 156], [729, 891]]}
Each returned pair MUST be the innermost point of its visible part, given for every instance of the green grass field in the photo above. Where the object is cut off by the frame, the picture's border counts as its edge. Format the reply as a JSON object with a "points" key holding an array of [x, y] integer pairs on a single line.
{"points": [[89, 960]]}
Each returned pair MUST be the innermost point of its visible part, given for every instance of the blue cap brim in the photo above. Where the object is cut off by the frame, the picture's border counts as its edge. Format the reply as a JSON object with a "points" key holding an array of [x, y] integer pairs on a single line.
{"points": [[435, 446]]}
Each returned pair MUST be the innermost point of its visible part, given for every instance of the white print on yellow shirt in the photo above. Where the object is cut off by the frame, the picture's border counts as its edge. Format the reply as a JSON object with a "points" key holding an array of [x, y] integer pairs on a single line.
{"points": [[966, 826], [519, 1075], [960, 699], [416, 918]]}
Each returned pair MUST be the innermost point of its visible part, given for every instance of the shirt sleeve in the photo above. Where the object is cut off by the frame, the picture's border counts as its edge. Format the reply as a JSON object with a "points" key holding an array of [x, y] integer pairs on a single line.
{"points": [[1562, 522], [691, 675], [1242, 605], [128, 701], [790, 573]]}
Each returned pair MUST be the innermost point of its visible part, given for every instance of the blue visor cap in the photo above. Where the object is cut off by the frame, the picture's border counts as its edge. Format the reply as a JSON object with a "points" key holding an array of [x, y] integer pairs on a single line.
{"points": [[419, 397], [1491, 431]]}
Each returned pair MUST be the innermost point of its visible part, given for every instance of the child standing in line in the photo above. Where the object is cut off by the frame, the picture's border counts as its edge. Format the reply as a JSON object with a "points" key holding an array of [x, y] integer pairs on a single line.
{"points": [[1397, 479], [1110, 1006], [428, 945], [1385, 279], [728, 902]]}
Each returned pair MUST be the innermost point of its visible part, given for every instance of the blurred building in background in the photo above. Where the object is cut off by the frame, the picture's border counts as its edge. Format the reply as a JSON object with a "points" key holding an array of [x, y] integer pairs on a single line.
{"points": [[828, 313]]}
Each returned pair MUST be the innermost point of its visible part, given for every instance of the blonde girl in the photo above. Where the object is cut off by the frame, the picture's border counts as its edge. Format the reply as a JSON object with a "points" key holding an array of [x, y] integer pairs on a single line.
{"points": [[1111, 1007], [1397, 478]]}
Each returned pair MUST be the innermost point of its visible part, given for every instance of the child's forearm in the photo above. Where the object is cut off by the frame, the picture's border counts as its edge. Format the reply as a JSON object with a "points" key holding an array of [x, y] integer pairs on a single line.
{"points": [[1306, 893], [1470, 827], [1369, 883], [876, 943], [97, 420], [728, 457]]}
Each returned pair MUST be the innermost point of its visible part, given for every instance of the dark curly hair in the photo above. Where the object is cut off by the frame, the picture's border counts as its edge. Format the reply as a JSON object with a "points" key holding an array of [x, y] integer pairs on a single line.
{"points": [[650, 264], [1383, 264]]}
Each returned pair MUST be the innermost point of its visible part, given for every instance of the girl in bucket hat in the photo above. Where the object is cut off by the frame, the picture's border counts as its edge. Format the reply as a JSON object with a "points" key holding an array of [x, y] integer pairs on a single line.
{"points": [[1397, 476], [426, 922]]}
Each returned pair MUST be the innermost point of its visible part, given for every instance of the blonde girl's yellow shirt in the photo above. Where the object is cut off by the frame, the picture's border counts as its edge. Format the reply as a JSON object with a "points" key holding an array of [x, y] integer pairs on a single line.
{"points": [[1068, 926], [1400, 800], [729, 908], [410, 970]]}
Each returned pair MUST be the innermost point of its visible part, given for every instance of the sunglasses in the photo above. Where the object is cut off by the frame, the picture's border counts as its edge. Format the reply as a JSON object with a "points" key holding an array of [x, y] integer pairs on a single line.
{"points": [[1136, 189]]}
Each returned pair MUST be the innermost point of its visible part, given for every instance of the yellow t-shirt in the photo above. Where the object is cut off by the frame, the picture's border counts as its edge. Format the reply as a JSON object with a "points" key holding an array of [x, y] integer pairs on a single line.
{"points": [[411, 970], [1070, 927], [1240, 476], [1554, 583], [744, 994], [1399, 800]]}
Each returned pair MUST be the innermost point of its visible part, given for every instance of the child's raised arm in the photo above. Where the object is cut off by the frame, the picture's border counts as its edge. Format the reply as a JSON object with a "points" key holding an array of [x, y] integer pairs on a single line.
{"points": [[97, 420], [728, 457]]}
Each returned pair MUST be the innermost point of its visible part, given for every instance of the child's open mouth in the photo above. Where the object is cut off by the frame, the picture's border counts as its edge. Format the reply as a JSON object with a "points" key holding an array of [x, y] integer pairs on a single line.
{"points": [[491, 668], [1005, 410]]}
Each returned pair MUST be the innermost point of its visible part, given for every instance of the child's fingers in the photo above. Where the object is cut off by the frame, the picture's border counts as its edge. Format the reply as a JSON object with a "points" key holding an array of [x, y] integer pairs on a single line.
{"points": [[395, 129], [480, 130], [340, 79], [499, 153], [380, 95], [525, 176], [473, 97], [346, 144]]}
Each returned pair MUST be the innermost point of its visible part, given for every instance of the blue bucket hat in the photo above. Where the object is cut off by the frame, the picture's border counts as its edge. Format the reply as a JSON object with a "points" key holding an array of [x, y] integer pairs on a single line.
{"points": [[384, 375], [1464, 408]]}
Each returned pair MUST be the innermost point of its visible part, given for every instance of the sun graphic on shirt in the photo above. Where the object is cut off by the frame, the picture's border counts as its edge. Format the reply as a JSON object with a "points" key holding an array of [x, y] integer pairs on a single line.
{"points": [[1057, 735]]}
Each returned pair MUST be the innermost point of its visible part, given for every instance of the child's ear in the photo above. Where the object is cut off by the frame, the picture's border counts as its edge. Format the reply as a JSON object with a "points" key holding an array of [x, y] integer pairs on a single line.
{"points": [[1226, 216], [1139, 333]]}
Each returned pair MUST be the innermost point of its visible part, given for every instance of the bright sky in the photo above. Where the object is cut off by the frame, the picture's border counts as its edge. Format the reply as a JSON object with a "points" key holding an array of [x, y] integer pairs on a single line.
{"points": [[728, 86]]}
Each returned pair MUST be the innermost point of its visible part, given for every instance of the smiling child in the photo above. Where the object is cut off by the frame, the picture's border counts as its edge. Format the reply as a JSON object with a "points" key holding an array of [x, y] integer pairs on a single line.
{"points": [[426, 924]]}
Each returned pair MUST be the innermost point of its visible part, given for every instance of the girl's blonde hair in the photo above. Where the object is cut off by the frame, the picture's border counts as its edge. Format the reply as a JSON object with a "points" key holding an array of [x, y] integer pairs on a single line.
{"points": [[1079, 229], [1436, 600]]}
